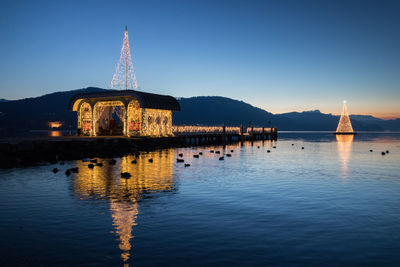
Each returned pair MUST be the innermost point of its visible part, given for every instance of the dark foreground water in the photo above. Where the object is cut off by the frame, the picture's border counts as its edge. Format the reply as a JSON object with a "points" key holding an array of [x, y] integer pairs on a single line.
{"points": [[331, 203]]}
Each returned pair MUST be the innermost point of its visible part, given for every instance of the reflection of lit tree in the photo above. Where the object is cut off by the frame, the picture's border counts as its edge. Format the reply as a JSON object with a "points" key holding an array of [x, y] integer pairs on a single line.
{"points": [[344, 144], [124, 218], [106, 183]]}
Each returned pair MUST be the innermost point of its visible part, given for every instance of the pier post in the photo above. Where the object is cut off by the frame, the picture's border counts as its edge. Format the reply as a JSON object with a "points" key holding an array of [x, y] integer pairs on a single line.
{"points": [[223, 133], [241, 133]]}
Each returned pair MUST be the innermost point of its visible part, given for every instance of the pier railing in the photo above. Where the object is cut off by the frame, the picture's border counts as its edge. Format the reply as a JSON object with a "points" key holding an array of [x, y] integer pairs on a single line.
{"points": [[228, 130], [196, 130]]}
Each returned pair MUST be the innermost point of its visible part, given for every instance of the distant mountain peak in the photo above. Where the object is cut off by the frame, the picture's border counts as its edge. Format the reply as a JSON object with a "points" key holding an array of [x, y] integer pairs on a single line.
{"points": [[312, 111]]}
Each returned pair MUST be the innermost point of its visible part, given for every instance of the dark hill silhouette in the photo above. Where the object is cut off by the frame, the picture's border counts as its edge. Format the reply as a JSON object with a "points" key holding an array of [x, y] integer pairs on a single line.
{"points": [[34, 113], [216, 110]]}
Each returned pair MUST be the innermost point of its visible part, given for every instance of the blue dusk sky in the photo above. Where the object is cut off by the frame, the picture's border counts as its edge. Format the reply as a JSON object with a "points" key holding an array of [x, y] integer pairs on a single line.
{"points": [[277, 55]]}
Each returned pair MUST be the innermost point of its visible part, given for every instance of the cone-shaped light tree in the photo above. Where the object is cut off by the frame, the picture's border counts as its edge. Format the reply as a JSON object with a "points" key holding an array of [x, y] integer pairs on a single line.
{"points": [[124, 76], [344, 125]]}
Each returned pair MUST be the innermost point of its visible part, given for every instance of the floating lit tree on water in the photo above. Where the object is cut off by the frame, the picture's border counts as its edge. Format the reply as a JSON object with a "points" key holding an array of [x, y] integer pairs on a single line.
{"points": [[344, 126]]}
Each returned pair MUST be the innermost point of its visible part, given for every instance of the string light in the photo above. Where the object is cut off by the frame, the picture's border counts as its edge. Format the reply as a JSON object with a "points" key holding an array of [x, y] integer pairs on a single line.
{"points": [[124, 76], [214, 130], [344, 125]]}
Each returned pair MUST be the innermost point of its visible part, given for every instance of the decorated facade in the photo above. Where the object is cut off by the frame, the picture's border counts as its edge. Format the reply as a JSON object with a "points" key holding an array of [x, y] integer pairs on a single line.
{"points": [[124, 113]]}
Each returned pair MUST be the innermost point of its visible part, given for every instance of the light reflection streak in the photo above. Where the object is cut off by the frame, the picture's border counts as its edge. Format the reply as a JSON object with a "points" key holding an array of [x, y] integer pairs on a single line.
{"points": [[123, 194], [344, 146]]}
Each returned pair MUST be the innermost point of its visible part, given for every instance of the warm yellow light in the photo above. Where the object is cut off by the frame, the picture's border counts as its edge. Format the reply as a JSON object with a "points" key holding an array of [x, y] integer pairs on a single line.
{"points": [[55, 124], [214, 130], [344, 125]]}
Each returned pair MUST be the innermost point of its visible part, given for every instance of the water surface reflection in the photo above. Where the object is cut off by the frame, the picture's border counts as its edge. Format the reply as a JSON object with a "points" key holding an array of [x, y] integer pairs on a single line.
{"points": [[105, 183], [344, 145]]}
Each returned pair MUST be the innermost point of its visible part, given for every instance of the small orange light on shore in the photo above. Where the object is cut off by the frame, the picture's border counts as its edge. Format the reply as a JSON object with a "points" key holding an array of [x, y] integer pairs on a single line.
{"points": [[55, 124]]}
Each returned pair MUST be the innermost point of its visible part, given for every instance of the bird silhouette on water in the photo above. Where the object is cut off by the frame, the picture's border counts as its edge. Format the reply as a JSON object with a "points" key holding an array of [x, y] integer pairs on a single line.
{"points": [[125, 175]]}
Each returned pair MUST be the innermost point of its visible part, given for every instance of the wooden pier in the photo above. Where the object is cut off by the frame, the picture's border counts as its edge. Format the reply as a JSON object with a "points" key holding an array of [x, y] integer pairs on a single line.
{"points": [[199, 135], [23, 152]]}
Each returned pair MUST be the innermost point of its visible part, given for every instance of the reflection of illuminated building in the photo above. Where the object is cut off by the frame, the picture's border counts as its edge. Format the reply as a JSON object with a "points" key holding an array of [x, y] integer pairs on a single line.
{"points": [[344, 144], [55, 133], [106, 183]]}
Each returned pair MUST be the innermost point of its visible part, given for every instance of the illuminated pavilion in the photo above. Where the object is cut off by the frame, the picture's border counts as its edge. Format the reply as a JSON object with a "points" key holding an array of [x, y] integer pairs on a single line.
{"points": [[124, 113]]}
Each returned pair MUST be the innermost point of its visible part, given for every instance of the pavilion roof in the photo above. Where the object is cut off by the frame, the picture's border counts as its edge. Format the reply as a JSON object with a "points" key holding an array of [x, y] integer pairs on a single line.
{"points": [[146, 100]]}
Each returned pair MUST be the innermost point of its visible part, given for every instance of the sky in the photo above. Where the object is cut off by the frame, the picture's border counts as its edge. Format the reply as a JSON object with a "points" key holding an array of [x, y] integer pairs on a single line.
{"points": [[281, 56]]}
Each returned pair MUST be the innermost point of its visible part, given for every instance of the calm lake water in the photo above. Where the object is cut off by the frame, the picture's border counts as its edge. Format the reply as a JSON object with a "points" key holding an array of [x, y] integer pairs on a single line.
{"points": [[332, 203]]}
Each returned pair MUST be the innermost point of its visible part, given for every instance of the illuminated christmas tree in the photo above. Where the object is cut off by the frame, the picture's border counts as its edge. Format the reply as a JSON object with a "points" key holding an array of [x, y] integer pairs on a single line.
{"points": [[124, 76], [344, 125]]}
